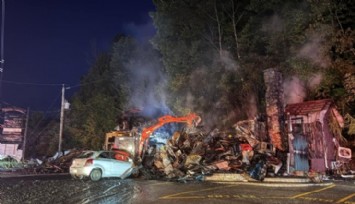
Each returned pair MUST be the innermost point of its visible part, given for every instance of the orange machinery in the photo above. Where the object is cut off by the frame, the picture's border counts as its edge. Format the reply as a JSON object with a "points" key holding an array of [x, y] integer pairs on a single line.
{"points": [[125, 142], [190, 119]]}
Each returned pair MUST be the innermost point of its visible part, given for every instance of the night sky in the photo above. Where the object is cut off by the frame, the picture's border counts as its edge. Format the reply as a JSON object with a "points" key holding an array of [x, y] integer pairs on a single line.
{"points": [[51, 42]]}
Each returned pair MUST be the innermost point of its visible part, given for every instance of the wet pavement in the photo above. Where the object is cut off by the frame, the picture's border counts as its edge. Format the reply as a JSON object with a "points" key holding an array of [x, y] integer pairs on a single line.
{"points": [[63, 189]]}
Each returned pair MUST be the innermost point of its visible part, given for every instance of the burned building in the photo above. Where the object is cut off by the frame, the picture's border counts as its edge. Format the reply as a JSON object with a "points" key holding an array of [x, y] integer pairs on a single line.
{"points": [[312, 136], [309, 131]]}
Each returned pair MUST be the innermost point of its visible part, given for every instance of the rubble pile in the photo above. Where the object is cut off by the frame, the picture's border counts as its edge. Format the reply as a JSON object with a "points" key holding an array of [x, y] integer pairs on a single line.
{"points": [[59, 163], [190, 155]]}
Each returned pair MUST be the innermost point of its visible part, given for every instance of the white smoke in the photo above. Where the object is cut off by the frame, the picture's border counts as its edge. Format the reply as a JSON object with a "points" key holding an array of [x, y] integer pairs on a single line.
{"points": [[142, 32], [190, 101], [312, 51], [147, 84], [227, 60], [294, 90], [147, 81], [273, 24], [315, 80]]}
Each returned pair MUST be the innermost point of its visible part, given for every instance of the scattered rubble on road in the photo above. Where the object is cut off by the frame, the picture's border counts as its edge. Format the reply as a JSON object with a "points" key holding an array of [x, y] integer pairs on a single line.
{"points": [[59, 163]]}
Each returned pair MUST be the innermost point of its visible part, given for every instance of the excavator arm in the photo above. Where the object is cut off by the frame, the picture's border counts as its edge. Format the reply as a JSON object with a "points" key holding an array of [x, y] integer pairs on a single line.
{"points": [[190, 119]]}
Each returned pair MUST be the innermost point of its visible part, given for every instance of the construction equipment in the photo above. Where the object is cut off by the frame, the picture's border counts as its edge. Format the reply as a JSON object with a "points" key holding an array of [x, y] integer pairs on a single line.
{"points": [[131, 143], [123, 142], [191, 119]]}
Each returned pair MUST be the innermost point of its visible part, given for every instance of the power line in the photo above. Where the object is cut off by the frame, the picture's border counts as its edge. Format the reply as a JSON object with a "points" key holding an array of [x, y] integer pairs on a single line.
{"points": [[31, 83], [51, 84]]}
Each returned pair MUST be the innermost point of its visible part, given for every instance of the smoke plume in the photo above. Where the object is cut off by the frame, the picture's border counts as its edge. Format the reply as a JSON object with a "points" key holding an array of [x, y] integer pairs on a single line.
{"points": [[294, 90], [147, 81], [312, 50]]}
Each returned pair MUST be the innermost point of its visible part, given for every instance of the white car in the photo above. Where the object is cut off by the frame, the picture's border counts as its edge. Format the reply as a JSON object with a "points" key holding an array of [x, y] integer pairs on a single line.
{"points": [[99, 164]]}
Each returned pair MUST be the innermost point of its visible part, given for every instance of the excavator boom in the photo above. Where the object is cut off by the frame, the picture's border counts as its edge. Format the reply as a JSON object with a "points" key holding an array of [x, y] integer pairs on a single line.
{"points": [[190, 119]]}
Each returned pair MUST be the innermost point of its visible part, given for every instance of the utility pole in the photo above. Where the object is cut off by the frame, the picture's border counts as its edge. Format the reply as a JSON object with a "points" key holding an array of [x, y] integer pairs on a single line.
{"points": [[61, 120], [2, 61], [25, 135]]}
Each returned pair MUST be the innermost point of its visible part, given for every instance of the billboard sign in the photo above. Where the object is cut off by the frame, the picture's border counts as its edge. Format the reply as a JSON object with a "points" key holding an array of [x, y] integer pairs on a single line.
{"points": [[12, 125]]}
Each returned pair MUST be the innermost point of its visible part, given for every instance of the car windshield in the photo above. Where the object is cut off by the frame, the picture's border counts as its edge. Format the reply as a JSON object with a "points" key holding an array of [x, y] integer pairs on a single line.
{"points": [[86, 155]]}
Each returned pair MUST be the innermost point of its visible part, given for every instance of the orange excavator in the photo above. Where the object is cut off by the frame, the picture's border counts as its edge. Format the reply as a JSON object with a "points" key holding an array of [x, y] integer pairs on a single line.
{"points": [[132, 144], [191, 120]]}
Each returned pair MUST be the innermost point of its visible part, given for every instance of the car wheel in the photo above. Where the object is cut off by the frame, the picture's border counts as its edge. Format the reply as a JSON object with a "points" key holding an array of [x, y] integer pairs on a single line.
{"points": [[95, 174]]}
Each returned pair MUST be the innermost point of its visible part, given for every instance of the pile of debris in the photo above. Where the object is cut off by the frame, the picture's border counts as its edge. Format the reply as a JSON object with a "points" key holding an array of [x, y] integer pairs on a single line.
{"points": [[193, 154], [59, 163]]}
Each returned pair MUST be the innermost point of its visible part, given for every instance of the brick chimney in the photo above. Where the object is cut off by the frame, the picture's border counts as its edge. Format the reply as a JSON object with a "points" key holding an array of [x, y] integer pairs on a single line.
{"points": [[274, 107]]}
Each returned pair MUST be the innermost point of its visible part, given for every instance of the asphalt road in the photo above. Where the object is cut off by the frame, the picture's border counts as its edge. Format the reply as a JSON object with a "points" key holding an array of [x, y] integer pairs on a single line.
{"points": [[63, 189]]}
